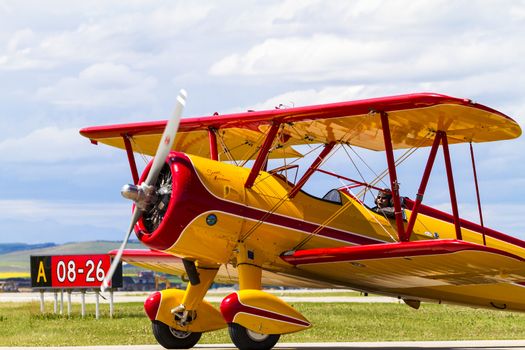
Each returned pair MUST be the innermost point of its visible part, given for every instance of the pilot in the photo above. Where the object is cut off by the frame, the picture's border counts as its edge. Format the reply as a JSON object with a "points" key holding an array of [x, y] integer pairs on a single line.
{"points": [[384, 204]]}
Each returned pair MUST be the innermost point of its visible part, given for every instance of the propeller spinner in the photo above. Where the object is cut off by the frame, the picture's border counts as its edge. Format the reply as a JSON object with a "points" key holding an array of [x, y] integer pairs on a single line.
{"points": [[145, 195]]}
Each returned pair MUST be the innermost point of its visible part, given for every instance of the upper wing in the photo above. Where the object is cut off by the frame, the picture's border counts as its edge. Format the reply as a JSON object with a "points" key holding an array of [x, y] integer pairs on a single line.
{"points": [[412, 118]]}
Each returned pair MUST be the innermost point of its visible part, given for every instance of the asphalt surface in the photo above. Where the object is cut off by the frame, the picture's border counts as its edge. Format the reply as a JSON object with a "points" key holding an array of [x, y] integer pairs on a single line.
{"points": [[141, 296], [445, 345]]}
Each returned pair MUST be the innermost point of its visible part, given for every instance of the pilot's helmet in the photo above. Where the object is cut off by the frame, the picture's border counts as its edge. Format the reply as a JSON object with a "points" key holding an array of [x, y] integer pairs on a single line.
{"points": [[384, 194]]}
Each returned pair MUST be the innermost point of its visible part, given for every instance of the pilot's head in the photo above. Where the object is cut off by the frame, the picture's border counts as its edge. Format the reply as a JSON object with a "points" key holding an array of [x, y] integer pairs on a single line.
{"points": [[384, 199]]}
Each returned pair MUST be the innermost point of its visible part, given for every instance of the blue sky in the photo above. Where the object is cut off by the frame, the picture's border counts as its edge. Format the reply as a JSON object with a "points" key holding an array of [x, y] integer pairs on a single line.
{"points": [[65, 65]]}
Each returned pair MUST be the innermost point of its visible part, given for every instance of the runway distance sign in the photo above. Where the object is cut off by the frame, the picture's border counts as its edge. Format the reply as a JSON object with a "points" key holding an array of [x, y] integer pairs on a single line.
{"points": [[72, 271]]}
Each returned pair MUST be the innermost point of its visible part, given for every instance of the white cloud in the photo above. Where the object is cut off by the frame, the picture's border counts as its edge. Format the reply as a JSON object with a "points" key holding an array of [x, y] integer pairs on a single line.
{"points": [[21, 41], [19, 52], [46, 145], [320, 58], [102, 84], [331, 94], [103, 32], [102, 215], [314, 58], [307, 97], [370, 42]]}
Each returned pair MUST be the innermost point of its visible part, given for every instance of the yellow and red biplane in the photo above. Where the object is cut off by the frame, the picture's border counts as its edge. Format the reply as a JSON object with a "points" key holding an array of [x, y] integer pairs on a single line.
{"points": [[208, 207]]}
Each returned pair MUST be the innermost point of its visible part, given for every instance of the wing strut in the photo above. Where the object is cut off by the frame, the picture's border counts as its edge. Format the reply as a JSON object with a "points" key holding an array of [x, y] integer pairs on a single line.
{"points": [[451, 188], [394, 185], [131, 159], [263, 154], [477, 192], [423, 185], [441, 137], [214, 154]]}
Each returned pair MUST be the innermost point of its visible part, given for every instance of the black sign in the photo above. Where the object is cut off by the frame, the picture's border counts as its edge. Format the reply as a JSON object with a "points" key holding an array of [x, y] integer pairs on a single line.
{"points": [[41, 271]]}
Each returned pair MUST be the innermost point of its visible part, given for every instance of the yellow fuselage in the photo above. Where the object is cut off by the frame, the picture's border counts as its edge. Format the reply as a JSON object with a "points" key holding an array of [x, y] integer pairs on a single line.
{"points": [[217, 215]]}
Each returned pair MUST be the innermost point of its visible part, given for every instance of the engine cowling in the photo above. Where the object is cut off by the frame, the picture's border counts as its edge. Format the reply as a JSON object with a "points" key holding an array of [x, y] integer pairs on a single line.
{"points": [[187, 218]]}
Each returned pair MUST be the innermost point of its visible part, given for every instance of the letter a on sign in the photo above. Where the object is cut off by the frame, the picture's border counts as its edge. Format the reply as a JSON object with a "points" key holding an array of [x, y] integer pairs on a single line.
{"points": [[41, 272]]}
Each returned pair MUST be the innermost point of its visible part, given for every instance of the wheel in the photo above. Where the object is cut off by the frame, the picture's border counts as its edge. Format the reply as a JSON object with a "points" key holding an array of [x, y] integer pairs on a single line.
{"points": [[245, 339], [170, 338]]}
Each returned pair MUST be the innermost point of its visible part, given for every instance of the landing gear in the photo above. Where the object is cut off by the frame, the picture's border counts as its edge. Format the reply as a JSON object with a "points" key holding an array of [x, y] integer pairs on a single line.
{"points": [[245, 339], [170, 338]]}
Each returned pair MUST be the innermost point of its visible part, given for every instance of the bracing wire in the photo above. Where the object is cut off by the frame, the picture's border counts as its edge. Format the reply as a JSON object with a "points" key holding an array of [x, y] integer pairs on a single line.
{"points": [[356, 167], [139, 149], [398, 162], [292, 162], [274, 208], [225, 149], [257, 146]]}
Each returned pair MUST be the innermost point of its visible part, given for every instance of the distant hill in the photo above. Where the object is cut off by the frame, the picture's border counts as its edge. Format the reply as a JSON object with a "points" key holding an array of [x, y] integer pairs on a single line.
{"points": [[13, 247], [18, 260]]}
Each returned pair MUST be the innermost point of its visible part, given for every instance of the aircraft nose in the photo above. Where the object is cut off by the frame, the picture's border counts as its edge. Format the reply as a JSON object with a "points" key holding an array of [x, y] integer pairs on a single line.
{"points": [[130, 192]]}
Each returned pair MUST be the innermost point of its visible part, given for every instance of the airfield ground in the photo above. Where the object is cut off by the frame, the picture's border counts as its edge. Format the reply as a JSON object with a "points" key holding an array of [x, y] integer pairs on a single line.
{"points": [[22, 324], [439, 345]]}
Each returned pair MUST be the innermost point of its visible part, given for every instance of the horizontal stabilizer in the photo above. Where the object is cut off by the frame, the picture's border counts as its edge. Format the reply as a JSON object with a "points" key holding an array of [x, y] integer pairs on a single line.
{"points": [[152, 260]]}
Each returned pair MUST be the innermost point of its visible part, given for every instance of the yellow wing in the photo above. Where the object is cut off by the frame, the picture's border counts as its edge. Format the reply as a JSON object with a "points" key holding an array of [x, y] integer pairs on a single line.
{"points": [[446, 270], [413, 119]]}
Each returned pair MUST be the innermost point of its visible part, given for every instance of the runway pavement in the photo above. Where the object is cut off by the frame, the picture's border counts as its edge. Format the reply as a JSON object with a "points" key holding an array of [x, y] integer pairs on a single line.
{"points": [[126, 297], [444, 345]]}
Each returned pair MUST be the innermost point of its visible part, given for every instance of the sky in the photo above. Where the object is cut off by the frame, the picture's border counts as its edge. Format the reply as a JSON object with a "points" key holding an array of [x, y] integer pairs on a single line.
{"points": [[65, 65]]}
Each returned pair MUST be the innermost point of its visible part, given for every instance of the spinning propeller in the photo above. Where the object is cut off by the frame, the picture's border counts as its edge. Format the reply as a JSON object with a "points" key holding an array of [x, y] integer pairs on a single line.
{"points": [[145, 195]]}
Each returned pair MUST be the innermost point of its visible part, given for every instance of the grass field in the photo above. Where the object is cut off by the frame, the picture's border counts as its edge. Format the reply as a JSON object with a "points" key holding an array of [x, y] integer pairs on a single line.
{"points": [[21, 324]]}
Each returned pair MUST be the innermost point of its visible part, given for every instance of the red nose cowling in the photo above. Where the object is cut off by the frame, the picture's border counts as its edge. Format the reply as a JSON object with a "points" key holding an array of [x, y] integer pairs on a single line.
{"points": [[188, 199]]}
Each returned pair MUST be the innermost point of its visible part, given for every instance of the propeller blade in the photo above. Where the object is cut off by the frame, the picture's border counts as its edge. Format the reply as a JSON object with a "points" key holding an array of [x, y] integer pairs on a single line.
{"points": [[167, 139], [134, 218], [168, 136]]}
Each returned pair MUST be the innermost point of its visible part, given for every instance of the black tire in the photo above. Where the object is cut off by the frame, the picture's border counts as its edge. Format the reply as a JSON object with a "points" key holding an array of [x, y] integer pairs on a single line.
{"points": [[244, 339], [171, 338]]}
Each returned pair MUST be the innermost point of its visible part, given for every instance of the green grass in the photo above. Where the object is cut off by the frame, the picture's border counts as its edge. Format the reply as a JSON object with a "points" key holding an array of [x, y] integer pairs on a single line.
{"points": [[299, 294], [21, 324], [333, 293]]}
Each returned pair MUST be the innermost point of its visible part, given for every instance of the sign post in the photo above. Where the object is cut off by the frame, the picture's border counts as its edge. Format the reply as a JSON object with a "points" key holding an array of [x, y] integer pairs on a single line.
{"points": [[83, 310], [42, 301]]}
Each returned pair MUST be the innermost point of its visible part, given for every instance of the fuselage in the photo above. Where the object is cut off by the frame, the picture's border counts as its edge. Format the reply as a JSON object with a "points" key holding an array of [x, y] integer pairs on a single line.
{"points": [[210, 212]]}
